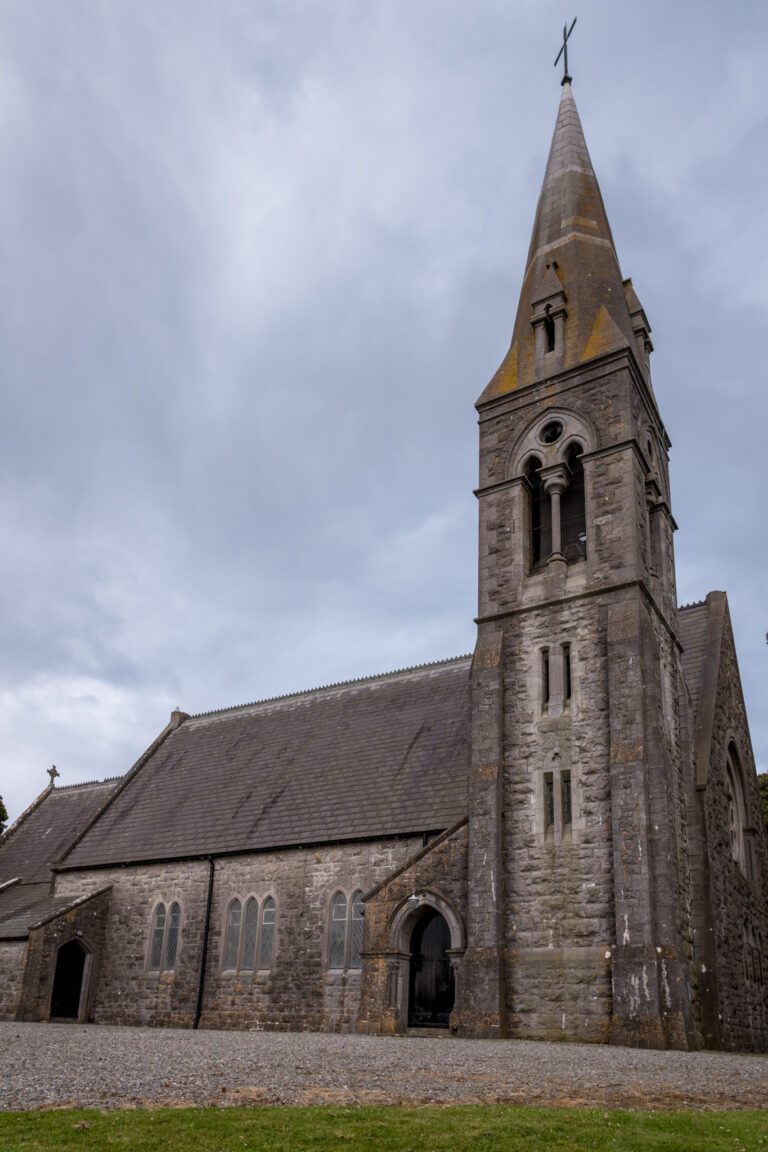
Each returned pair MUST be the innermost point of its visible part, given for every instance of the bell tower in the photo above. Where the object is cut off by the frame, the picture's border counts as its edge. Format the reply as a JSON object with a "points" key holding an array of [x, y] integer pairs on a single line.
{"points": [[577, 910]]}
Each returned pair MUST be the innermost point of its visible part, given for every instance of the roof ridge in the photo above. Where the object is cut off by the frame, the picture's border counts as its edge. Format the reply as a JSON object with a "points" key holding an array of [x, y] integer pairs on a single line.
{"points": [[693, 604], [85, 783], [335, 684]]}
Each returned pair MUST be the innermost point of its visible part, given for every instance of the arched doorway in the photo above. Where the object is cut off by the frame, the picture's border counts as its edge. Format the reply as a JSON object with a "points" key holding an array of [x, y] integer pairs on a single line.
{"points": [[431, 990], [68, 981]]}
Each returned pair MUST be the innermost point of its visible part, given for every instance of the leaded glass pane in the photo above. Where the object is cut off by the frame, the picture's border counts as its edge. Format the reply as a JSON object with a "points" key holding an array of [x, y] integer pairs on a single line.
{"points": [[172, 942], [250, 932], [267, 943], [158, 931], [232, 940], [338, 931], [356, 930]]}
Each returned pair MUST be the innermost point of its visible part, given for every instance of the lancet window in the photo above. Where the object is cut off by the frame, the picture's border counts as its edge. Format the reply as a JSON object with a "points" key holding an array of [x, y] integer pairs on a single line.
{"points": [[164, 937], [345, 937], [249, 941]]}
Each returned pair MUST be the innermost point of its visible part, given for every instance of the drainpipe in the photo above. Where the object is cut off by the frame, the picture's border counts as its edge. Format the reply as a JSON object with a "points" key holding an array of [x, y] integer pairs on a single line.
{"points": [[206, 929]]}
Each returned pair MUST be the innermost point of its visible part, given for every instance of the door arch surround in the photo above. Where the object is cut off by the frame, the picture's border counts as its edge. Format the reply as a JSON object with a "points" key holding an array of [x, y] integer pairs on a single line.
{"points": [[407, 921], [71, 972]]}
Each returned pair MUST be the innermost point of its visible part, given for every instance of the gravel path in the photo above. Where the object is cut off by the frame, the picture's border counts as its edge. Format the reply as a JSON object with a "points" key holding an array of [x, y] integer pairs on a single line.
{"points": [[61, 1065]]}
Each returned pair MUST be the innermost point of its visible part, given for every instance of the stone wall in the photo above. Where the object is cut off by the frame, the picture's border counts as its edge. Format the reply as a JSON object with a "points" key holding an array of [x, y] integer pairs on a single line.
{"points": [[736, 889], [437, 877], [558, 883], [87, 923], [11, 963], [301, 991], [297, 992]]}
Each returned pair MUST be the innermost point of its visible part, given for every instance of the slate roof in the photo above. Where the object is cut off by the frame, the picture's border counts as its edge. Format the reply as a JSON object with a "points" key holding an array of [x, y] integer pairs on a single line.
{"points": [[44, 833], [692, 624], [383, 756], [24, 905]]}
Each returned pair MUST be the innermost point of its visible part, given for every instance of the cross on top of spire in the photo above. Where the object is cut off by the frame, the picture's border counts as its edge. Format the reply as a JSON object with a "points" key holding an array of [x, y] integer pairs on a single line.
{"points": [[564, 51]]}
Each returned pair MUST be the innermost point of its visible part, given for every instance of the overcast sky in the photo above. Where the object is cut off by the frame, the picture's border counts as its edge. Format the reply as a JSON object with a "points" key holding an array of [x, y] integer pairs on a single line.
{"points": [[258, 259]]}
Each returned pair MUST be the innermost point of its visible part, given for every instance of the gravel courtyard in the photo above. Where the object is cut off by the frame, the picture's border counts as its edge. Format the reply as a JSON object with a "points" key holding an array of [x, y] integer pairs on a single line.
{"points": [[61, 1065]]}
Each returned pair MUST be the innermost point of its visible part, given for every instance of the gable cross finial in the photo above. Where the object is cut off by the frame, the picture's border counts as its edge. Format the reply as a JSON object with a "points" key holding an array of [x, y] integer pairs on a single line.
{"points": [[564, 52], [52, 773]]}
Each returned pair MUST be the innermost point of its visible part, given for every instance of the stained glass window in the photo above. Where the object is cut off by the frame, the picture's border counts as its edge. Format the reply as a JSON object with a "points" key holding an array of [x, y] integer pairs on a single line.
{"points": [[338, 931], [232, 937], [267, 942]]}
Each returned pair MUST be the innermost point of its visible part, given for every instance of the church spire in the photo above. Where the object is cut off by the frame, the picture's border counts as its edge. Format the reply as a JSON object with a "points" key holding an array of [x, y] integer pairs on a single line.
{"points": [[573, 304]]}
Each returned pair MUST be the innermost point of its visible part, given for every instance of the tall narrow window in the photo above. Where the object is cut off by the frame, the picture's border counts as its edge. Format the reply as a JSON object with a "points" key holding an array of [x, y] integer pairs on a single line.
{"points": [[267, 942], [164, 939], [172, 939], [158, 935], [338, 941], [573, 521], [250, 932], [736, 810], [566, 803], [566, 672], [232, 937], [545, 677], [549, 804], [540, 513], [549, 331], [356, 927]]}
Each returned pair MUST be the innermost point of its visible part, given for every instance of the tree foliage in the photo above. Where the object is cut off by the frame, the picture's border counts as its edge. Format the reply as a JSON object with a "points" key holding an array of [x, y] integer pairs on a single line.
{"points": [[762, 780]]}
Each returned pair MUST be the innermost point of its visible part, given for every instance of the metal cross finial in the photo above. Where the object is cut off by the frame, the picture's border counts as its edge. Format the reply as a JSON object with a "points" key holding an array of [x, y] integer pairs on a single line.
{"points": [[564, 51]]}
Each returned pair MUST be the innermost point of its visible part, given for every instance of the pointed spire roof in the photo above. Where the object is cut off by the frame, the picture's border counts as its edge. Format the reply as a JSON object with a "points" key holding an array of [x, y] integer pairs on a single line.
{"points": [[572, 268]]}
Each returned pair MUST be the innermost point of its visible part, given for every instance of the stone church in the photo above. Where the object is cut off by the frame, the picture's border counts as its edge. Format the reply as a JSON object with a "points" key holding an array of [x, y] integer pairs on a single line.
{"points": [[558, 837]]}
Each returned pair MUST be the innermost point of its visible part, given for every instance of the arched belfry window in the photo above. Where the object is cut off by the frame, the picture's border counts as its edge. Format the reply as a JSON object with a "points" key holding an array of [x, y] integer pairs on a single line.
{"points": [[573, 519], [539, 513]]}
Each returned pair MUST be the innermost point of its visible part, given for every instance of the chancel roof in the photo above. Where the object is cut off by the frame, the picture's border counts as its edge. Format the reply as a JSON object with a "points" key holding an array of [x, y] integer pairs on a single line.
{"points": [[48, 828], [371, 758]]}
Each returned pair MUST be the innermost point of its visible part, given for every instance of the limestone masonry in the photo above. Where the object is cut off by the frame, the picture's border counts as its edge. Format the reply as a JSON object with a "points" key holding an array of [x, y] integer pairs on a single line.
{"points": [[559, 837]]}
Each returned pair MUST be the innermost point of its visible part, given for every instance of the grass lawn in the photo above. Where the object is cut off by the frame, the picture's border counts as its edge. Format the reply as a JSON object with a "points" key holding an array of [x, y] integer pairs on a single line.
{"points": [[480, 1128]]}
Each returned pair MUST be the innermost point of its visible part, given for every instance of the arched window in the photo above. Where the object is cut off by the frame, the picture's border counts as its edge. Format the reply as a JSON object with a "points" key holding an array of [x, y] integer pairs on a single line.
{"points": [[158, 935], [267, 941], [172, 938], [250, 934], [736, 809], [232, 934], [249, 940], [573, 519], [356, 926], [345, 940], [338, 936], [164, 940], [539, 513]]}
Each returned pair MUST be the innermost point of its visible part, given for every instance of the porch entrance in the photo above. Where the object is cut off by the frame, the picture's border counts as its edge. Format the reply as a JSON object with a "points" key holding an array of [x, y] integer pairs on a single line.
{"points": [[431, 989], [68, 981]]}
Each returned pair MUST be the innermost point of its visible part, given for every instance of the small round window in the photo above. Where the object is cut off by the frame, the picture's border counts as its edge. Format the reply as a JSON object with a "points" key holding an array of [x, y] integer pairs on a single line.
{"points": [[551, 432]]}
